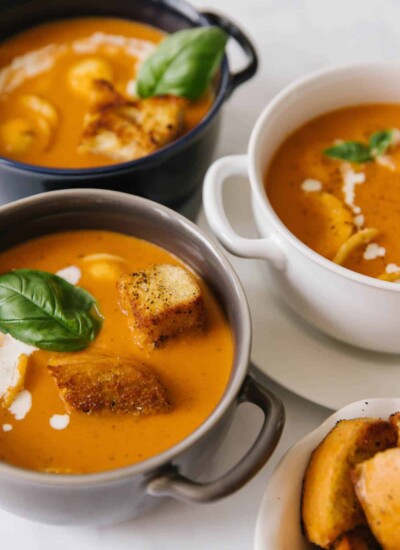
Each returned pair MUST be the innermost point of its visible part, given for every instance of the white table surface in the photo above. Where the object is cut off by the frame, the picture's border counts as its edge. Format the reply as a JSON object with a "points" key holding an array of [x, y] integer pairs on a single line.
{"points": [[294, 37]]}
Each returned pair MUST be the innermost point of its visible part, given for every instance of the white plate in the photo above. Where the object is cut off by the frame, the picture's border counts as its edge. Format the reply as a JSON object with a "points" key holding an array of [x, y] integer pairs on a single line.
{"points": [[291, 352], [278, 522]]}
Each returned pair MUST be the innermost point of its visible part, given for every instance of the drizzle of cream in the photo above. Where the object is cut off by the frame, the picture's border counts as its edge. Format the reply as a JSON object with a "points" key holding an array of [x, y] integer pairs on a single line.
{"points": [[71, 274], [392, 268], [29, 65], [386, 161], [350, 180], [59, 421], [7, 427], [310, 185], [373, 251], [39, 61], [111, 43], [359, 221], [10, 353], [21, 405]]}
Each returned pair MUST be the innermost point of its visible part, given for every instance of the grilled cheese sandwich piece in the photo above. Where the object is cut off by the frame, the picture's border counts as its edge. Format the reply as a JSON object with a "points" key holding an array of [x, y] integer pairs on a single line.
{"points": [[329, 504], [162, 301], [95, 383], [127, 130], [377, 485]]}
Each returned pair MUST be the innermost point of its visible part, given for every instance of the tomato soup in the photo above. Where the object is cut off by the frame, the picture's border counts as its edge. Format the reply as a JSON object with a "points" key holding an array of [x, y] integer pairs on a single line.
{"points": [[45, 78], [343, 206], [194, 368]]}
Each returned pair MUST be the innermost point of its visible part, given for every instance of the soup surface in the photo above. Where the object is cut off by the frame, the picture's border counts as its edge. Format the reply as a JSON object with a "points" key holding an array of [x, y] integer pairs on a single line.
{"points": [[326, 201], [55, 62], [194, 368]]}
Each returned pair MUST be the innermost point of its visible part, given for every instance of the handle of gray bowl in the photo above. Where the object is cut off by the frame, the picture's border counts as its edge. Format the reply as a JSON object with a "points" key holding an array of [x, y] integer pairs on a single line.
{"points": [[250, 69], [171, 483]]}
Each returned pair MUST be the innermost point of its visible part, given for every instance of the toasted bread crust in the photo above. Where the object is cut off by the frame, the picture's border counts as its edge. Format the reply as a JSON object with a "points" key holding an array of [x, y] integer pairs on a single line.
{"points": [[359, 539], [377, 485], [130, 129], [329, 504], [99, 383], [153, 304], [394, 421]]}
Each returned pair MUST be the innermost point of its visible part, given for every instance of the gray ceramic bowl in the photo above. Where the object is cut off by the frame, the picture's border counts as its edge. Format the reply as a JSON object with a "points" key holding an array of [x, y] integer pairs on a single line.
{"points": [[113, 496]]}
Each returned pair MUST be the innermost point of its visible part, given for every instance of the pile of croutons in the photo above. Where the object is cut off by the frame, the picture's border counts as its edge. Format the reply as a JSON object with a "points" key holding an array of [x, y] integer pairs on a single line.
{"points": [[351, 488], [162, 302]]}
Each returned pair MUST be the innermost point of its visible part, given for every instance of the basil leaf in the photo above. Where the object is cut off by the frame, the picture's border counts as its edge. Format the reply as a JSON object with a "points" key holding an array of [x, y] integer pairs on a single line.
{"points": [[380, 142], [183, 64], [353, 151], [46, 311]]}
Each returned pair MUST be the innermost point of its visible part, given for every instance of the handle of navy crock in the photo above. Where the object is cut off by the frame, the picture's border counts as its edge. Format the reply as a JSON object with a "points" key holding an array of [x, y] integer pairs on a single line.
{"points": [[266, 248], [171, 483], [250, 69]]}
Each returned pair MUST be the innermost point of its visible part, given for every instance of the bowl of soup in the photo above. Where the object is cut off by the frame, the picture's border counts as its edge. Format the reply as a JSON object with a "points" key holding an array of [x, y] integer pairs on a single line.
{"points": [[124, 352], [74, 112], [323, 168]]}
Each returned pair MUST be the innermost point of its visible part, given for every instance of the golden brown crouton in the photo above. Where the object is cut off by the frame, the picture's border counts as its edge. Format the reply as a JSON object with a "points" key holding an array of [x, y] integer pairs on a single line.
{"points": [[127, 130], [92, 383], [162, 301], [329, 504], [359, 539], [377, 485]]}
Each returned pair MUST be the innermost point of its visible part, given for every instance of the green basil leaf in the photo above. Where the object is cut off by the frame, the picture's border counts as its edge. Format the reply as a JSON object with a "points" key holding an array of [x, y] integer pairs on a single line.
{"points": [[352, 151], [380, 142], [46, 311], [183, 64]]}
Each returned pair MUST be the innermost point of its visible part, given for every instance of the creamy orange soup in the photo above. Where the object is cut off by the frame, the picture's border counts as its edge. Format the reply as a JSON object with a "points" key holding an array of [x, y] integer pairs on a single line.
{"points": [[38, 62], [194, 368], [326, 201]]}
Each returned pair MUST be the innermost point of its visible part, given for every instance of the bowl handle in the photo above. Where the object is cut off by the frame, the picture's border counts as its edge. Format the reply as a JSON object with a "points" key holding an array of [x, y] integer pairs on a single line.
{"points": [[171, 483], [265, 248], [250, 69]]}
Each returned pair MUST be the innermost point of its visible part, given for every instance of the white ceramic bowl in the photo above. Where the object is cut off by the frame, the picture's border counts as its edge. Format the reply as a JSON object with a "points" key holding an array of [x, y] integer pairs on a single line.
{"points": [[278, 522], [351, 307]]}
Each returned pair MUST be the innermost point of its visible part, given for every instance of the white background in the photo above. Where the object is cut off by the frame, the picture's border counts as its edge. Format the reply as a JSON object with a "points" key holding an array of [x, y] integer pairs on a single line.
{"points": [[294, 37]]}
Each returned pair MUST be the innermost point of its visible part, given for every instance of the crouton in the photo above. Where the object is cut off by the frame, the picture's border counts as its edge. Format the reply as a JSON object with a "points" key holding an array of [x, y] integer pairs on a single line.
{"points": [[162, 301], [359, 539], [127, 130], [377, 485], [329, 504], [93, 383]]}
